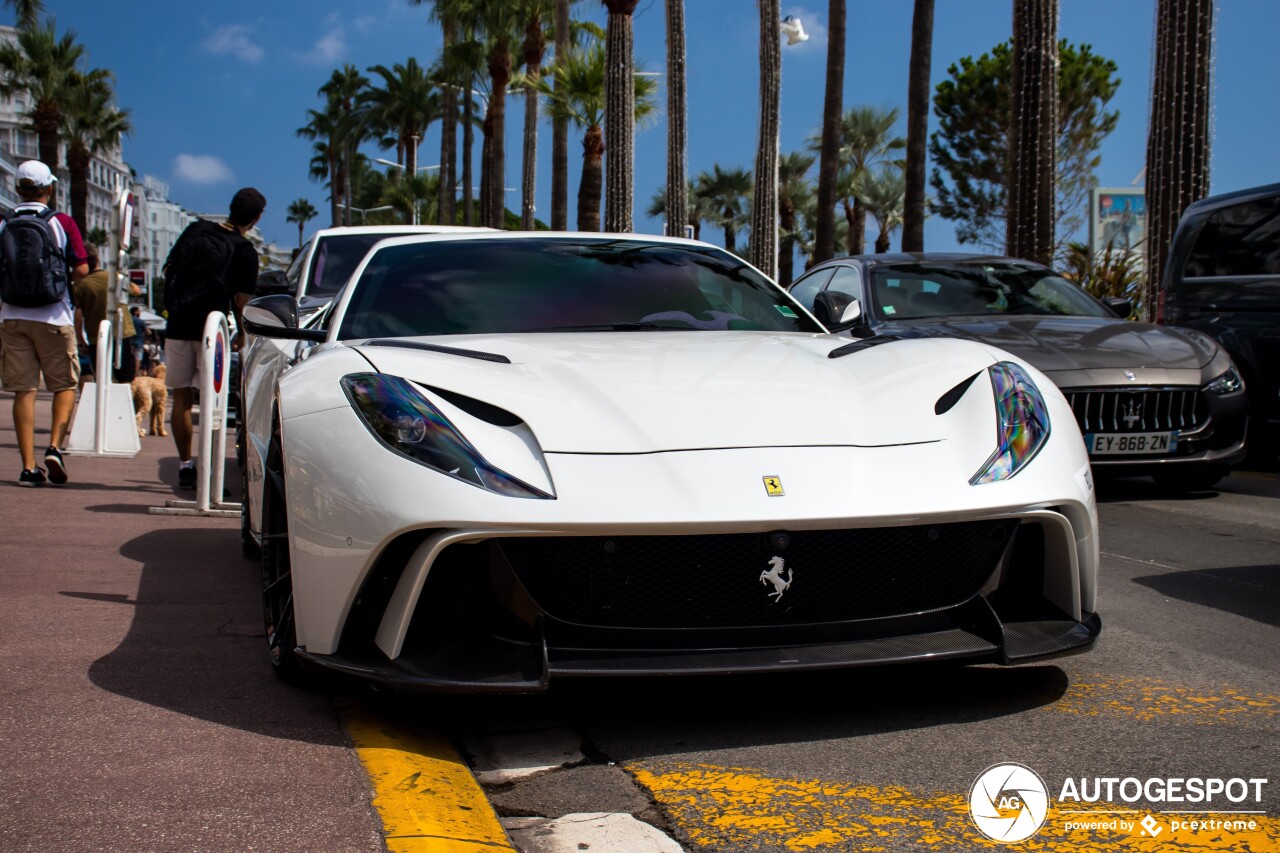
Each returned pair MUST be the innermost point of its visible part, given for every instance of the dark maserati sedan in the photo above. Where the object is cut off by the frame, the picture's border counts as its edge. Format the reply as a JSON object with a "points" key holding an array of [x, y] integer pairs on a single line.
{"points": [[1150, 400]]}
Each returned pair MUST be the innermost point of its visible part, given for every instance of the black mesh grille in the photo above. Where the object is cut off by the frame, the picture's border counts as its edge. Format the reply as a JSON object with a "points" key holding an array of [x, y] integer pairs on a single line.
{"points": [[715, 581], [1139, 410]]}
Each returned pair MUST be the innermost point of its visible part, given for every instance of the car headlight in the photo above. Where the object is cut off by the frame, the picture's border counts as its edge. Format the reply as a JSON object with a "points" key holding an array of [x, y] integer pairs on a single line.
{"points": [[1022, 423], [407, 422], [1228, 383]]}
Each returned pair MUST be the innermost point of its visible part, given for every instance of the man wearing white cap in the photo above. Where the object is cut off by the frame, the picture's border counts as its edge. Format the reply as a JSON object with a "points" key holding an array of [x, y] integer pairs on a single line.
{"points": [[37, 325]]}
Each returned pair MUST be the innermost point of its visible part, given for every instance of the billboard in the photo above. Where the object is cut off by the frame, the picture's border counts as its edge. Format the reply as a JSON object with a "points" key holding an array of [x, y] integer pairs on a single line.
{"points": [[1117, 219], [138, 278]]}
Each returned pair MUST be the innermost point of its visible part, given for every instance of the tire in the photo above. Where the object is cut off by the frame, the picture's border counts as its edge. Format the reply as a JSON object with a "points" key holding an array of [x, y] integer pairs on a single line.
{"points": [[277, 578], [1191, 478]]}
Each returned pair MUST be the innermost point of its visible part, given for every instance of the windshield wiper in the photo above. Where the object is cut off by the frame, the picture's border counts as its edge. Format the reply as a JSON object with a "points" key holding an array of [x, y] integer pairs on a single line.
{"points": [[611, 327]]}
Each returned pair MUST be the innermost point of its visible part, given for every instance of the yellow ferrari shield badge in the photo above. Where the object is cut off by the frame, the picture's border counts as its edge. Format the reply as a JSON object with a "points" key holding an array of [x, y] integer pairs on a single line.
{"points": [[773, 486]]}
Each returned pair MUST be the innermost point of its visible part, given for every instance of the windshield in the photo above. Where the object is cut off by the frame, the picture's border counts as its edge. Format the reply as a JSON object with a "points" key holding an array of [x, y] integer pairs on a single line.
{"points": [[562, 284], [336, 259], [915, 291]]}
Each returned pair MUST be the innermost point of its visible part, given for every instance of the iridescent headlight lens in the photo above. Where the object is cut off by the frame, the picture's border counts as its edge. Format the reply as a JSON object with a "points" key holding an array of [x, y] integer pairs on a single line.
{"points": [[409, 424], [1228, 383], [1022, 423]]}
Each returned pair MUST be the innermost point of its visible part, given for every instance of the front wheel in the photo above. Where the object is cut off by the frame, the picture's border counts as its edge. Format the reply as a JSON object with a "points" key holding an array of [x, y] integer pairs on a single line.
{"points": [[277, 570], [1191, 478]]}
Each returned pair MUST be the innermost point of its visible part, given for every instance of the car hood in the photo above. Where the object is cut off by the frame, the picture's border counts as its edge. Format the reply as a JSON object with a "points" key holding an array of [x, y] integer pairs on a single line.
{"points": [[1055, 344], [643, 392]]}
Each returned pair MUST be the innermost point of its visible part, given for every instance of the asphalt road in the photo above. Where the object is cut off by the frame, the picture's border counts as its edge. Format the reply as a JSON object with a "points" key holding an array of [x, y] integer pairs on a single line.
{"points": [[138, 713]]}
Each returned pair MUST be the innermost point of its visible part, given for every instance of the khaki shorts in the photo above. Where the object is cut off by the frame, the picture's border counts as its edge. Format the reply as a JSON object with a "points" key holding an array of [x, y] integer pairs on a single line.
{"points": [[182, 363], [28, 349]]}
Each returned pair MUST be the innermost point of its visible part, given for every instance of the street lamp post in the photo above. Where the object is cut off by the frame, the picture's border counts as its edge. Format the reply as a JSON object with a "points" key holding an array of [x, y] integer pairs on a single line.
{"points": [[402, 167], [365, 211]]}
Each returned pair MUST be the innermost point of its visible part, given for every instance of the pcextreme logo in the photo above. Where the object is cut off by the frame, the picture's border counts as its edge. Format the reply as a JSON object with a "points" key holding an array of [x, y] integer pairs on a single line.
{"points": [[1008, 802]]}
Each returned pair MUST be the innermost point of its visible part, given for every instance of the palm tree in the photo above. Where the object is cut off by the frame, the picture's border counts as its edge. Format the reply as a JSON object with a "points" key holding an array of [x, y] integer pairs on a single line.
{"points": [[806, 232], [535, 44], [677, 197], [326, 165], [866, 141], [884, 193], [47, 68], [405, 104], [344, 92], [301, 211], [1178, 139], [27, 12], [92, 124], [829, 150], [1034, 131], [620, 117], [457, 72], [763, 251], [560, 134], [499, 21], [410, 193], [444, 13], [578, 95], [727, 192], [794, 193], [696, 210], [917, 125]]}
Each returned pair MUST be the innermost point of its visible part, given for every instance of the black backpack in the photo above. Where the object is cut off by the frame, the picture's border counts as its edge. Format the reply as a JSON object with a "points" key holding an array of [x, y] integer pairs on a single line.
{"points": [[198, 272], [33, 267]]}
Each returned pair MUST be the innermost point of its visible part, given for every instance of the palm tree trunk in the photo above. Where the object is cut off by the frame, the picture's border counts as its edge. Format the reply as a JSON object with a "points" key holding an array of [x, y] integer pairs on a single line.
{"points": [[560, 135], [1178, 141], [787, 242], [448, 135], [730, 233], [917, 126], [500, 73], [589, 185], [1034, 131], [486, 170], [301, 224], [534, 45], [858, 228], [619, 118], [78, 158], [764, 206], [829, 158], [850, 217], [468, 142], [46, 120], [677, 196], [346, 179], [882, 240]]}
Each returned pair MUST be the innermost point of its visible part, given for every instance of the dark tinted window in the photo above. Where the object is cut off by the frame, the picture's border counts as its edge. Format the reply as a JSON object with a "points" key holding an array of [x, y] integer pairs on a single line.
{"points": [[488, 286], [336, 259], [1239, 240], [808, 287], [914, 291]]}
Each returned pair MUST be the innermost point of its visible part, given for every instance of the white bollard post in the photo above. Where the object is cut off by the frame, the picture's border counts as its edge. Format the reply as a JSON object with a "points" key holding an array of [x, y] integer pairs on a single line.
{"points": [[211, 454], [102, 376], [103, 422]]}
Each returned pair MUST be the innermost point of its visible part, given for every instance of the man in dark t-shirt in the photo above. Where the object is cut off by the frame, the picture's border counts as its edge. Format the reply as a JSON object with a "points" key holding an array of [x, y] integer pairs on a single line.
{"points": [[186, 322]]}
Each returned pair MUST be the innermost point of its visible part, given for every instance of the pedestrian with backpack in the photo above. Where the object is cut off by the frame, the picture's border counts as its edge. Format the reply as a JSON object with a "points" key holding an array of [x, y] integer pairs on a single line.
{"points": [[212, 267], [41, 256]]}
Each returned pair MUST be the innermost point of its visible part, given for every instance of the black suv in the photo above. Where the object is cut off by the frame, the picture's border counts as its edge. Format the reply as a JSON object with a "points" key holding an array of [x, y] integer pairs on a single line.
{"points": [[1223, 279]]}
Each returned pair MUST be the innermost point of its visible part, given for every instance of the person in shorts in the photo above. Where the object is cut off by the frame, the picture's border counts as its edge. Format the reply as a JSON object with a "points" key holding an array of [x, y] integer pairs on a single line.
{"points": [[42, 340], [226, 285]]}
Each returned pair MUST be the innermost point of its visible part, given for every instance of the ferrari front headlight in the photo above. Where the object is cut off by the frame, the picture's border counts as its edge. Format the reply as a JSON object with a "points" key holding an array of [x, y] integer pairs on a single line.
{"points": [[407, 423], [1022, 423]]}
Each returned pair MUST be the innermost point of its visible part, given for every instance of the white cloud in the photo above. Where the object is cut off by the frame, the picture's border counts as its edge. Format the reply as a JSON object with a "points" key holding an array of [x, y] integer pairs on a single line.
{"points": [[330, 48], [235, 41], [201, 169]]}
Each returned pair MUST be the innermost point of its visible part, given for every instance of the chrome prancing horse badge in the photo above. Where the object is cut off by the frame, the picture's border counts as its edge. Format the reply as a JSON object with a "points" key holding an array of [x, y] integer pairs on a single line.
{"points": [[773, 575]]}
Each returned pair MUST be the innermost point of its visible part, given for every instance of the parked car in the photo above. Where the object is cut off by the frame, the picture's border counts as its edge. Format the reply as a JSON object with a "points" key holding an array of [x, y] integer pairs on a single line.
{"points": [[503, 459], [1149, 400], [1223, 278]]}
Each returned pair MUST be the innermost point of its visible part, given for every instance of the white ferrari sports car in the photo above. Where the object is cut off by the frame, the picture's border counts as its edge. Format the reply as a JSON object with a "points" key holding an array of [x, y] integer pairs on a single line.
{"points": [[498, 459]]}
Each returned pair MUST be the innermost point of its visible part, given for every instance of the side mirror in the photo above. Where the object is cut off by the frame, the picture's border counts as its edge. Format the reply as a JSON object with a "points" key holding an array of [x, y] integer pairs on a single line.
{"points": [[837, 311], [272, 282], [276, 316], [1119, 305]]}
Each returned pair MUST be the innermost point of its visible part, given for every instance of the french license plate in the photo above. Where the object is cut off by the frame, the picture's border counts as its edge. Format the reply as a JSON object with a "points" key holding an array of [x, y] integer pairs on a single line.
{"points": [[1131, 443]]}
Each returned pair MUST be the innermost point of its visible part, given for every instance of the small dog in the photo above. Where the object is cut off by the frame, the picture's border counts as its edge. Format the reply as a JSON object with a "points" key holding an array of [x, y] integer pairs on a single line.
{"points": [[150, 396]]}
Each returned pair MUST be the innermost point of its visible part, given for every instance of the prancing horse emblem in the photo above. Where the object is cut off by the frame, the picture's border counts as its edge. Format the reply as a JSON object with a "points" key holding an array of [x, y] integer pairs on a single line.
{"points": [[773, 575], [1131, 413]]}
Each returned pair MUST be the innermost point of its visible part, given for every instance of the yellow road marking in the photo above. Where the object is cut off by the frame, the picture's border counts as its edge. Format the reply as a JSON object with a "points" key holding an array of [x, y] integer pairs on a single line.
{"points": [[1149, 699], [735, 808], [422, 789]]}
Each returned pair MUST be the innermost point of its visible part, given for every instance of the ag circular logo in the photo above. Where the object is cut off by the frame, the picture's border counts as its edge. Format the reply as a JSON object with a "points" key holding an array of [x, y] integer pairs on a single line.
{"points": [[1008, 802]]}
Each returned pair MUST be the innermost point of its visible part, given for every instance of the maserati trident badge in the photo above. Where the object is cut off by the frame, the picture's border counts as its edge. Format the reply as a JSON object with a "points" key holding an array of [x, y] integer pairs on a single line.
{"points": [[773, 486], [773, 575], [1132, 413]]}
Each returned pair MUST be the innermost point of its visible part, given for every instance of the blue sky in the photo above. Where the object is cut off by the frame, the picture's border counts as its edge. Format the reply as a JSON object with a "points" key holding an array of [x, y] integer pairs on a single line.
{"points": [[218, 90]]}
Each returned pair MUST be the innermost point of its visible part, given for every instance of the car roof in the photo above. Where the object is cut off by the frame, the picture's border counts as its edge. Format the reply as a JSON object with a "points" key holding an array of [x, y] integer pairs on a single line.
{"points": [[491, 234], [1214, 202], [891, 258], [398, 230]]}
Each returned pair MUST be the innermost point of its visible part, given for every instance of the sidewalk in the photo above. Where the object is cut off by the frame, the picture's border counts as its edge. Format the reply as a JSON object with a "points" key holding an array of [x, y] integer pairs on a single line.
{"points": [[138, 711]]}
